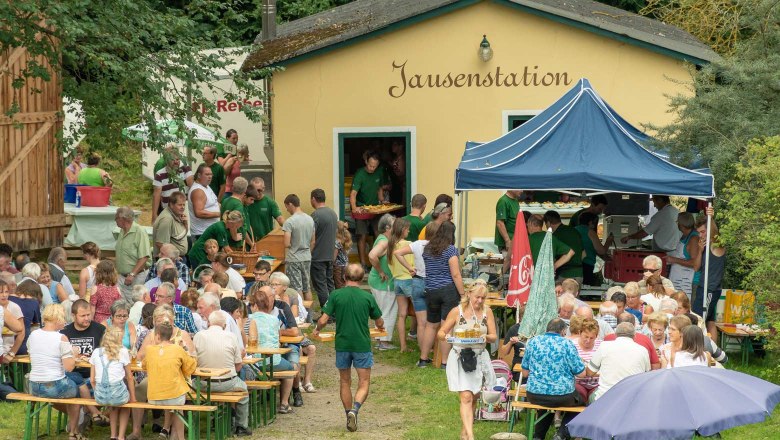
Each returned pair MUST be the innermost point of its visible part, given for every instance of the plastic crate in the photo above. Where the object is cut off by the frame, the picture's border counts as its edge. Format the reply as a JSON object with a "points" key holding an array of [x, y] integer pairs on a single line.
{"points": [[626, 265]]}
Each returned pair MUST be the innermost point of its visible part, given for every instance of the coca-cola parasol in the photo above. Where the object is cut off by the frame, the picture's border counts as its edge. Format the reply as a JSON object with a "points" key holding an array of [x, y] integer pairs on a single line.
{"points": [[522, 268]]}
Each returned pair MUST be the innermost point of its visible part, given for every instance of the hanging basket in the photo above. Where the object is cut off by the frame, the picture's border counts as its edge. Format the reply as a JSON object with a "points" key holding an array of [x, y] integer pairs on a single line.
{"points": [[247, 258]]}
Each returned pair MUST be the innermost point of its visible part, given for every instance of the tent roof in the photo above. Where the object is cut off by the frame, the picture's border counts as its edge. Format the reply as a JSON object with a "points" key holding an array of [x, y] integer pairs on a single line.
{"points": [[578, 143]]}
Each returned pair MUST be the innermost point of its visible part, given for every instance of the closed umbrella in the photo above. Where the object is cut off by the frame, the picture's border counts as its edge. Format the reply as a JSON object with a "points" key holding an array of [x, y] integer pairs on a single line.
{"points": [[677, 403], [542, 305]]}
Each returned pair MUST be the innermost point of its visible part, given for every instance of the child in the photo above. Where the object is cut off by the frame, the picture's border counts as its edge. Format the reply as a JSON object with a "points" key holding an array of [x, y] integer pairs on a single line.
{"points": [[114, 385], [106, 291], [167, 366], [343, 245], [211, 247]]}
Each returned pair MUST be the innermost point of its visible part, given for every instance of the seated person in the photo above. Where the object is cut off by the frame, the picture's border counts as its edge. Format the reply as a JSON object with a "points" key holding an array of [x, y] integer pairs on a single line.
{"points": [[639, 338], [512, 341], [221, 279], [617, 360], [718, 355], [619, 298], [160, 265], [653, 265], [608, 313], [236, 282], [27, 297], [264, 328], [566, 305], [635, 305], [587, 343], [684, 308], [168, 275], [686, 345], [587, 313]]}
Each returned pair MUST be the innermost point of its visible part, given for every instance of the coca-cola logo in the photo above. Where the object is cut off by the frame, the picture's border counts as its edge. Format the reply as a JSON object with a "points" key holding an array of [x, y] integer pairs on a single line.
{"points": [[525, 272]]}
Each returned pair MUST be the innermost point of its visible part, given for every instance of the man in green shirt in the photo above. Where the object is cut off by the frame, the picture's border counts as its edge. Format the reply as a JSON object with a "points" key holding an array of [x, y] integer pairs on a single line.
{"points": [[236, 203], [367, 189], [218, 173], [352, 307], [415, 217], [536, 234], [598, 204], [263, 212], [133, 252], [507, 208], [570, 237]]}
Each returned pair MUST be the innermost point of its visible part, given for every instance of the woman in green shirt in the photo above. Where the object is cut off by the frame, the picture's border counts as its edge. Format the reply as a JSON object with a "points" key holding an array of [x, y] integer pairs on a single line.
{"points": [[227, 233], [92, 175], [592, 246], [380, 279]]}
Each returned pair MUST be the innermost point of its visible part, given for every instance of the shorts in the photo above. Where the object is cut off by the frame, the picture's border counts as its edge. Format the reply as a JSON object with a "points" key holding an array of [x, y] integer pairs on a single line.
{"points": [[413, 288], [298, 272], [294, 356], [63, 388], [365, 227], [175, 401], [348, 359], [284, 365], [439, 302]]}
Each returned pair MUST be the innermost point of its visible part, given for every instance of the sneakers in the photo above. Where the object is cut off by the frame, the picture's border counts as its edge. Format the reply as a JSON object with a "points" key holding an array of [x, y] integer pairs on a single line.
{"points": [[352, 421], [412, 335], [309, 388], [285, 409], [297, 399], [242, 432], [422, 363], [384, 346]]}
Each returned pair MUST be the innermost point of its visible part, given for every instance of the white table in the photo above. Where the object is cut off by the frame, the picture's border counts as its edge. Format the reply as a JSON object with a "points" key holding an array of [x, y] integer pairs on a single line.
{"points": [[93, 224]]}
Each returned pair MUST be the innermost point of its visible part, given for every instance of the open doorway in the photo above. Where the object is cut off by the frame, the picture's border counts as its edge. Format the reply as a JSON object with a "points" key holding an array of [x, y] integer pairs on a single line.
{"points": [[394, 149]]}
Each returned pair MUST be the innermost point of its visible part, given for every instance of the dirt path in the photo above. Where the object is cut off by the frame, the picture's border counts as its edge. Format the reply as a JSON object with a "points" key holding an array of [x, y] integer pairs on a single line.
{"points": [[322, 416]]}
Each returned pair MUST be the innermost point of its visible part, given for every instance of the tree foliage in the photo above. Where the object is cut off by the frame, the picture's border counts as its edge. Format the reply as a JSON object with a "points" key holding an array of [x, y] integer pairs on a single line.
{"points": [[752, 228], [735, 100]]}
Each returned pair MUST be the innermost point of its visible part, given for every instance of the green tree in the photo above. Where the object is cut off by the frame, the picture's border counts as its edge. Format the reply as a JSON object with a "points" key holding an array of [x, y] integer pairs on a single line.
{"points": [[751, 232], [129, 61], [736, 99]]}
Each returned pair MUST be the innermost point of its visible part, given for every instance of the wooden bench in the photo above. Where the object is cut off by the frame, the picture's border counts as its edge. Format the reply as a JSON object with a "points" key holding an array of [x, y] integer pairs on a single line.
{"points": [[531, 415], [32, 414], [262, 401], [303, 360], [285, 374]]}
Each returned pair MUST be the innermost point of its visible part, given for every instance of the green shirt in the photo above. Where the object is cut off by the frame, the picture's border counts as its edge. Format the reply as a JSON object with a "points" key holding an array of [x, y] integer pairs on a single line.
{"points": [[587, 244], [570, 237], [233, 204], [91, 176], [262, 216], [416, 224], [367, 186], [131, 247], [218, 231], [218, 177], [506, 210], [575, 218], [535, 241], [352, 307], [160, 164], [374, 281]]}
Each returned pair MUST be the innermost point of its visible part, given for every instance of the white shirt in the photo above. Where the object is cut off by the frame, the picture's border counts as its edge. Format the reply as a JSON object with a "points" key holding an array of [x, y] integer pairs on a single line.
{"points": [[65, 281], [134, 315], [417, 248], [681, 358], [232, 327], [617, 360], [15, 310], [235, 280], [116, 369], [47, 350], [604, 328], [663, 226], [652, 301], [199, 225]]}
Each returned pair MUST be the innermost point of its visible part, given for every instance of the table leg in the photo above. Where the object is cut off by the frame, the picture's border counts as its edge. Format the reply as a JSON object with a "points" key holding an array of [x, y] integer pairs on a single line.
{"points": [[745, 350]]}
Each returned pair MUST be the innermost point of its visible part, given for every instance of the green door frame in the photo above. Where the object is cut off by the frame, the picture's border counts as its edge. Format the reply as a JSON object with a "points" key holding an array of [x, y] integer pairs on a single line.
{"points": [[407, 135]]}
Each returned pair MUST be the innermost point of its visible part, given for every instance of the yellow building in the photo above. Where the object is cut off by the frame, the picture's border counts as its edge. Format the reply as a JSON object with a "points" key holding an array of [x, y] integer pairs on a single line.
{"points": [[373, 72]]}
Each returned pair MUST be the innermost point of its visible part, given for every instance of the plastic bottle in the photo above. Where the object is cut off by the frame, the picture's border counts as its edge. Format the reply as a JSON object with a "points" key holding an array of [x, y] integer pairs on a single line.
{"points": [[78, 199]]}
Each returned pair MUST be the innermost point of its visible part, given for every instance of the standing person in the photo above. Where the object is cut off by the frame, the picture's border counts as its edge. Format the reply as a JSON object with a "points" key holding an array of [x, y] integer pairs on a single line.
{"points": [[112, 380], [204, 203], [717, 268], [171, 226], [167, 367], [406, 285], [443, 287], [354, 307], [415, 217], [176, 176], [298, 241], [591, 246], [468, 365], [235, 201], [232, 167], [72, 171], [536, 233], [662, 226], [91, 253], [92, 175], [218, 179], [682, 273], [570, 237], [106, 292], [380, 280], [367, 189], [598, 204], [51, 367], [263, 212], [325, 226], [341, 259], [133, 252], [441, 213], [507, 207]]}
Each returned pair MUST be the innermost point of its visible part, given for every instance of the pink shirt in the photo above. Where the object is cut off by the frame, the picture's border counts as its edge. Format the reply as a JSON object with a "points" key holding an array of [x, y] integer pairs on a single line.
{"points": [[589, 382], [234, 172], [102, 299]]}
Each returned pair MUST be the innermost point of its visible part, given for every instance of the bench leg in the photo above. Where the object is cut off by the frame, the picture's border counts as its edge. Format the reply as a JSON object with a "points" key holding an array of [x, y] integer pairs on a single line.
{"points": [[28, 420]]}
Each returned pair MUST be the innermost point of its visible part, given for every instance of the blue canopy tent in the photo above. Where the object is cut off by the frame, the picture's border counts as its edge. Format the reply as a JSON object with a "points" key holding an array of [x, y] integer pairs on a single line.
{"points": [[578, 144]]}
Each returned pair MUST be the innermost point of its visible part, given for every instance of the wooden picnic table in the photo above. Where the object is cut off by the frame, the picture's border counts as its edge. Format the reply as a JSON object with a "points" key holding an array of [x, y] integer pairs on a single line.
{"points": [[742, 334], [373, 333], [290, 339], [267, 351]]}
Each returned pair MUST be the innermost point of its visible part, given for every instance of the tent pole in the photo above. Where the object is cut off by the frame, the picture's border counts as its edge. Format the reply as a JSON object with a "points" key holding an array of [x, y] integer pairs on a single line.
{"points": [[465, 217], [707, 243], [458, 239]]}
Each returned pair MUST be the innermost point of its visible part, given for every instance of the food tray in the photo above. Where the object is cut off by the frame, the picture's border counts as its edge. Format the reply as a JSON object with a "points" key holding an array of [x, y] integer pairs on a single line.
{"points": [[363, 215], [382, 209], [453, 340]]}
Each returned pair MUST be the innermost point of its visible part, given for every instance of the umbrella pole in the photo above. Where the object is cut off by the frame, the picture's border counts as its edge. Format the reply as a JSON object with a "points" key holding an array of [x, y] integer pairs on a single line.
{"points": [[708, 243], [465, 215], [459, 233]]}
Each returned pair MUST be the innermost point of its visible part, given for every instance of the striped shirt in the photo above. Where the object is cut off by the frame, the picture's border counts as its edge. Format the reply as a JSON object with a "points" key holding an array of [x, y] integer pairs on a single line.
{"points": [[589, 382], [170, 184], [437, 268]]}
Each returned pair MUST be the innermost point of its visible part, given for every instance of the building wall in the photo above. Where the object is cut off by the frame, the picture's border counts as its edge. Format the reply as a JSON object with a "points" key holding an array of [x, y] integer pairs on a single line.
{"points": [[353, 87]]}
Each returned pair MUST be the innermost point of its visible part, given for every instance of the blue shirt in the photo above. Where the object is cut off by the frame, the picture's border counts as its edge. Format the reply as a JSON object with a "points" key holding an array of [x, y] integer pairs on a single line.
{"points": [[637, 314], [437, 268], [553, 362], [182, 318]]}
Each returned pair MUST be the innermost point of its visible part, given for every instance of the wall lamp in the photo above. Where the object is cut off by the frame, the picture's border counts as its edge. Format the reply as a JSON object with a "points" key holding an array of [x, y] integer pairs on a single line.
{"points": [[485, 52]]}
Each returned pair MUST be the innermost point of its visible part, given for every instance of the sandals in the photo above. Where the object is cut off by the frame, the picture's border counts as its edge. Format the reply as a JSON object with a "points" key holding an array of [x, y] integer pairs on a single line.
{"points": [[76, 436], [309, 388], [100, 420], [164, 433], [285, 409]]}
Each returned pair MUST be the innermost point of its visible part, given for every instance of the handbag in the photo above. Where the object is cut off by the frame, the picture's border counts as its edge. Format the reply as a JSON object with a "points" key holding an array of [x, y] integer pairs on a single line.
{"points": [[468, 359], [107, 393]]}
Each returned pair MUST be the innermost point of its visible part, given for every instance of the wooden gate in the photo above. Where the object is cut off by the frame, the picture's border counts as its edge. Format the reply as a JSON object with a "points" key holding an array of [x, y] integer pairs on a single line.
{"points": [[31, 166]]}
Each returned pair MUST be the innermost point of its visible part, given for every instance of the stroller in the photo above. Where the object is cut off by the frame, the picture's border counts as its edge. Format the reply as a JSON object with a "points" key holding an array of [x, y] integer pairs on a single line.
{"points": [[494, 403]]}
